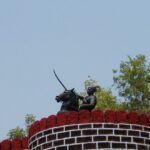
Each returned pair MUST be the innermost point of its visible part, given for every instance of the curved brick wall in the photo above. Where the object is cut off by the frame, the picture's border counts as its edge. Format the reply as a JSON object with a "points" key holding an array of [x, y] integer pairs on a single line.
{"points": [[95, 130], [92, 136], [86, 130]]}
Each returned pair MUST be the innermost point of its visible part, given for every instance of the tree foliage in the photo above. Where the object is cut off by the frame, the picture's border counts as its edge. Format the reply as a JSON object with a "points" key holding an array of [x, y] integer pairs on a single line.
{"points": [[106, 100], [133, 83], [16, 133], [20, 132]]}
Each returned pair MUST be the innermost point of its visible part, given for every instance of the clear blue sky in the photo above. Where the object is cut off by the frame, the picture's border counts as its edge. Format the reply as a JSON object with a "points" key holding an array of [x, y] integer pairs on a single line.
{"points": [[77, 38]]}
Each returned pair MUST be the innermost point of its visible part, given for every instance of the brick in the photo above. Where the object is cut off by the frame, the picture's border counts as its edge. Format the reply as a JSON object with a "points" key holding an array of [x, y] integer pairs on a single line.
{"points": [[97, 125], [34, 144], [144, 134], [48, 132], [142, 147], [99, 138], [120, 132], [137, 127], [47, 145], [85, 126], [113, 138], [63, 135], [84, 139], [147, 141], [38, 148], [124, 126], [118, 145], [89, 146], [42, 140], [110, 125], [75, 147], [61, 148], [39, 135], [138, 140], [89, 132], [70, 141], [104, 145], [126, 139], [75, 133], [71, 127], [133, 133], [104, 131], [51, 137], [131, 146], [146, 129], [59, 129], [58, 142]]}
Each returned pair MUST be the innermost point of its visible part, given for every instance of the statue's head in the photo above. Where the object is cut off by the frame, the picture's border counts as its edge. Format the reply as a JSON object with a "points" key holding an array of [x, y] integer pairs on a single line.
{"points": [[65, 96], [92, 90]]}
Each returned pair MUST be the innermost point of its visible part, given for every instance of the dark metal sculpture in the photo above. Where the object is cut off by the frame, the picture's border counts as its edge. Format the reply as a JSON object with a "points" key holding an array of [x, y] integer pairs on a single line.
{"points": [[89, 102], [69, 98]]}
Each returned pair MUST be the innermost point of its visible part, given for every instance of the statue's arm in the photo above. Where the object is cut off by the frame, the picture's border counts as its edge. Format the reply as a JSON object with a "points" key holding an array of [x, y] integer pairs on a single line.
{"points": [[80, 97], [90, 105]]}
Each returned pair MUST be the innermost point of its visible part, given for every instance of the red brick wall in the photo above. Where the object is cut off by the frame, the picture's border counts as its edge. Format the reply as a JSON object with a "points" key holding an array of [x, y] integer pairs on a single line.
{"points": [[92, 136], [91, 130], [86, 130], [98, 116]]}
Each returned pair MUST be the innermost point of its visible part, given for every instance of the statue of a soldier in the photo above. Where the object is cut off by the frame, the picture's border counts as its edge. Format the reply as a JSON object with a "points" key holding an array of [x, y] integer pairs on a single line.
{"points": [[69, 99], [89, 102]]}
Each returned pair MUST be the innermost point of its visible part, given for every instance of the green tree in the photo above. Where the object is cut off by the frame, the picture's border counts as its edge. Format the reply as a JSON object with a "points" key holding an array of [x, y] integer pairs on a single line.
{"points": [[16, 133], [133, 83], [105, 98], [20, 132]]}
